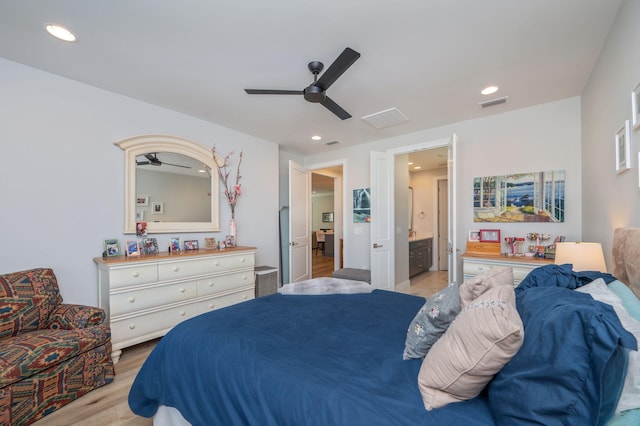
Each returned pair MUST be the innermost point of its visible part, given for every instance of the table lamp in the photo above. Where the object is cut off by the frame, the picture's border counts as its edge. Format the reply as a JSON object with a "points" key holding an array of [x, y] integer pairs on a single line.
{"points": [[583, 256]]}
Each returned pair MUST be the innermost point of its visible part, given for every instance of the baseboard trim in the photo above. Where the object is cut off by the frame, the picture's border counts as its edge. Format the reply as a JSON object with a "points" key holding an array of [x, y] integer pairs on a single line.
{"points": [[403, 286]]}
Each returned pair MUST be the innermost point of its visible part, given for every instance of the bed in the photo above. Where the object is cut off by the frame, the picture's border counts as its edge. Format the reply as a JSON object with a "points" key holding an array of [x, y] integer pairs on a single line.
{"points": [[318, 359]]}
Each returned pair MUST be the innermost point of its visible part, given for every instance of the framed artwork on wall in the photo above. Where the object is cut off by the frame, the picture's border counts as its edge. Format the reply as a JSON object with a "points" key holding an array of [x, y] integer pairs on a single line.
{"points": [[327, 217], [635, 107], [623, 148], [142, 200]]}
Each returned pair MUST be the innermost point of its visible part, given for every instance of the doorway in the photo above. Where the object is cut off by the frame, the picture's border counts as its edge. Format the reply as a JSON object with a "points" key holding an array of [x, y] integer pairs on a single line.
{"points": [[428, 217], [326, 221]]}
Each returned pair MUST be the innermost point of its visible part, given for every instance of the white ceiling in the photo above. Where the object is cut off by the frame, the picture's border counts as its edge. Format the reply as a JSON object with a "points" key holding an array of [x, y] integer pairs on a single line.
{"points": [[428, 58]]}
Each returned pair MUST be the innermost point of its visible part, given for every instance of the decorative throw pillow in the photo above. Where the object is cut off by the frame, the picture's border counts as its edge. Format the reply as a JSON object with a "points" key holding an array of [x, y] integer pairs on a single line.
{"points": [[630, 397], [431, 321], [479, 342], [473, 288]]}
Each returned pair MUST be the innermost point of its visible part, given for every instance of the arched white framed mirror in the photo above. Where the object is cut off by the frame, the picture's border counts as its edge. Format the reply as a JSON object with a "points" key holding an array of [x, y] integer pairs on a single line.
{"points": [[170, 183]]}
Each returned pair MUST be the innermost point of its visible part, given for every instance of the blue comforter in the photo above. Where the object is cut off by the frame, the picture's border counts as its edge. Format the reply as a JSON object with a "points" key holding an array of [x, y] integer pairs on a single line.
{"points": [[296, 360]]}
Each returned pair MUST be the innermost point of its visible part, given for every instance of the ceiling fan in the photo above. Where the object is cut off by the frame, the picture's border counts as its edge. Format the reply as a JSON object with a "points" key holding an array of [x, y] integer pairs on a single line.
{"points": [[316, 91], [153, 160]]}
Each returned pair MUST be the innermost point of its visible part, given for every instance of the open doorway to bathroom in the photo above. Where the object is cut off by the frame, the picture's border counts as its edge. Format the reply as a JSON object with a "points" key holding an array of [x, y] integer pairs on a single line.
{"points": [[428, 215]]}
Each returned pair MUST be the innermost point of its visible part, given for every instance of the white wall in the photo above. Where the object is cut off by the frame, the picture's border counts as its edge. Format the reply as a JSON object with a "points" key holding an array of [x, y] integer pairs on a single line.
{"points": [[611, 200], [62, 178], [543, 137]]}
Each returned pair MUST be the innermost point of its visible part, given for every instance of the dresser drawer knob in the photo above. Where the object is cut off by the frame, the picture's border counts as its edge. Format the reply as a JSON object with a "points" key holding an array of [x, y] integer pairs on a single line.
{"points": [[242, 259], [132, 326], [216, 263], [176, 269], [211, 283], [212, 305], [182, 313], [132, 299], [135, 275], [244, 278], [182, 290], [480, 268], [244, 296]]}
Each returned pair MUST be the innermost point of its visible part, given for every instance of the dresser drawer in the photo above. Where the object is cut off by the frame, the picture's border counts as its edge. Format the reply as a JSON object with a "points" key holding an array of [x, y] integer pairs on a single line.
{"points": [[133, 275], [184, 268], [132, 328], [221, 283], [236, 261], [137, 300], [224, 301]]}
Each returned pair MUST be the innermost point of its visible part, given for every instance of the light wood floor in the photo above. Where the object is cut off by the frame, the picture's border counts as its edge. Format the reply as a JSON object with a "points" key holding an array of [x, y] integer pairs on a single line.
{"points": [[108, 404]]}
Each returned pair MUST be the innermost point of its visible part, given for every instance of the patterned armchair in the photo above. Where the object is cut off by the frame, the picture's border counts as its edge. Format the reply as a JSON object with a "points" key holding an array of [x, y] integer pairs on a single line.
{"points": [[50, 352]]}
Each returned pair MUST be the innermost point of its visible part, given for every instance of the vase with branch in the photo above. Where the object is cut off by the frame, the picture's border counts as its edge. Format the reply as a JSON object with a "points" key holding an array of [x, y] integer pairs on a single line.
{"points": [[232, 191]]}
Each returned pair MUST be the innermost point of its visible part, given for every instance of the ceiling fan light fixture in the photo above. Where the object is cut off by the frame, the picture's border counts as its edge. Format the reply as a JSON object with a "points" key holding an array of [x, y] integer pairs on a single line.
{"points": [[60, 33], [489, 90]]}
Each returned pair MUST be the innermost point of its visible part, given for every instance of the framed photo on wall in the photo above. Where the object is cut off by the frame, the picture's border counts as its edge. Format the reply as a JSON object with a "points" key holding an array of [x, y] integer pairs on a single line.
{"points": [[489, 235], [327, 217], [635, 107], [623, 148], [142, 200]]}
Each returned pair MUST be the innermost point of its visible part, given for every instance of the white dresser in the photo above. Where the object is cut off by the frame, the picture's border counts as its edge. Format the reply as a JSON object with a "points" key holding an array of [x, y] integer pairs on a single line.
{"points": [[473, 264], [144, 297]]}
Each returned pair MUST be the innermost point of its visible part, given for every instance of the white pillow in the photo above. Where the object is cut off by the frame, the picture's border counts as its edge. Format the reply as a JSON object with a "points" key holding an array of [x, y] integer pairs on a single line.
{"points": [[630, 397]]}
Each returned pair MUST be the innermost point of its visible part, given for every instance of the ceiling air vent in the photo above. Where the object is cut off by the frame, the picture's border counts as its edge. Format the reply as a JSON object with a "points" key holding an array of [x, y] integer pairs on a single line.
{"points": [[387, 118], [332, 143], [493, 102]]}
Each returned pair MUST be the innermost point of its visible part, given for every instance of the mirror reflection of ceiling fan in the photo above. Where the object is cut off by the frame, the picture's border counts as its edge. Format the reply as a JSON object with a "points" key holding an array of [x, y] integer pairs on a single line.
{"points": [[153, 160], [316, 91]]}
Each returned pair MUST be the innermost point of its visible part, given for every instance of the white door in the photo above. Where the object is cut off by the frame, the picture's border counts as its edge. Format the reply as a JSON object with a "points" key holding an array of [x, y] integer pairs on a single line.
{"points": [[382, 221], [451, 234], [299, 226]]}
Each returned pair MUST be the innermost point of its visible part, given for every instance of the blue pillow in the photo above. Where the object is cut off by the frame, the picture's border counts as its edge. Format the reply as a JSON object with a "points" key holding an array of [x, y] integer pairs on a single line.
{"points": [[571, 366]]}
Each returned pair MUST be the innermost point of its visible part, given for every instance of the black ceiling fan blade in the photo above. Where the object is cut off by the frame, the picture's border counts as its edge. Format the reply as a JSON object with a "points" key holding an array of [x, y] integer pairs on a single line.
{"points": [[335, 108], [337, 68], [176, 165], [273, 92], [142, 163]]}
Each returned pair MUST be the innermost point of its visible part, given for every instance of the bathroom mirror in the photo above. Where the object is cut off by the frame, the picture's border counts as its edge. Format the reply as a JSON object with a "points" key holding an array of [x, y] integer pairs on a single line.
{"points": [[170, 183]]}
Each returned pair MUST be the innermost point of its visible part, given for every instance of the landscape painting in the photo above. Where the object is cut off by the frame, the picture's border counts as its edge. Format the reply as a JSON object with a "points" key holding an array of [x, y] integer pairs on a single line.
{"points": [[524, 197]]}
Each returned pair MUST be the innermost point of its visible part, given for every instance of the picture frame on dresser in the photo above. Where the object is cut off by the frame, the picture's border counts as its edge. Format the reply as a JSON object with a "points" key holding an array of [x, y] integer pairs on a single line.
{"points": [[191, 245], [112, 248], [489, 235], [474, 235], [150, 246], [133, 249]]}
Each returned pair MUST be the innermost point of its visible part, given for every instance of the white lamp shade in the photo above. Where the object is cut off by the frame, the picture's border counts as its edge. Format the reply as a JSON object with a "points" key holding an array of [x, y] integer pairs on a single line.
{"points": [[583, 256]]}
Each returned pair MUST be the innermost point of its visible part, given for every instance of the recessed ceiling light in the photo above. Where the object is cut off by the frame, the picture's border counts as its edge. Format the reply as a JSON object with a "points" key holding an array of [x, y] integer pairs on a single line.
{"points": [[417, 168], [60, 32], [410, 163], [489, 90], [316, 137]]}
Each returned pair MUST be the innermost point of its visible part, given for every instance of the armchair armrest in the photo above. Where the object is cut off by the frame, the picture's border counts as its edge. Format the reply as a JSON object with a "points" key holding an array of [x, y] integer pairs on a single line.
{"points": [[67, 316]]}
